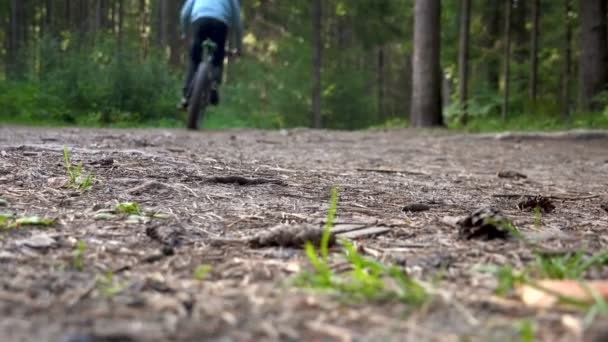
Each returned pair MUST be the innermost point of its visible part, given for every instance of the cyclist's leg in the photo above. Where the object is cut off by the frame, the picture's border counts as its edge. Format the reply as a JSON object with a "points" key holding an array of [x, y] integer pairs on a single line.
{"points": [[196, 54], [218, 33]]}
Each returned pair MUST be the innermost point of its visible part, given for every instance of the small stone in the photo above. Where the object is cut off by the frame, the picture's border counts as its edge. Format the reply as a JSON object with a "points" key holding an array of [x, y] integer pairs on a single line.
{"points": [[104, 216], [3, 203], [37, 241], [511, 174], [416, 207]]}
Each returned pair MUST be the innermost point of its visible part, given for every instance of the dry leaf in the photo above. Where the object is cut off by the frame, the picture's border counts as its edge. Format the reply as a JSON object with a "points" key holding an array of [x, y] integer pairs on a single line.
{"points": [[544, 294]]}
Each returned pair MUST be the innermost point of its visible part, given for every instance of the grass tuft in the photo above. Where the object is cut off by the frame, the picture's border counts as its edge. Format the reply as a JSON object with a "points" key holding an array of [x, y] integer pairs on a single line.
{"points": [[367, 279], [77, 180], [78, 257]]}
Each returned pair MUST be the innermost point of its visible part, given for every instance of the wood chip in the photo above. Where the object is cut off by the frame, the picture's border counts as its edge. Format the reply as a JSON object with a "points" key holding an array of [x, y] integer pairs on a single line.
{"points": [[365, 232]]}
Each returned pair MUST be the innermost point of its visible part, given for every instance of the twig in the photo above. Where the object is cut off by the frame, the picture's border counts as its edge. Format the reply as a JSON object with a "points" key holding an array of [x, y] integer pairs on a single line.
{"points": [[407, 172], [336, 332], [187, 188], [75, 299], [556, 197]]}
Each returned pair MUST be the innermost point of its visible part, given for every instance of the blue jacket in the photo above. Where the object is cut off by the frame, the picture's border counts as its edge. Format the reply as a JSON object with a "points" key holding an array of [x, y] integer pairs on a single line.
{"points": [[228, 11]]}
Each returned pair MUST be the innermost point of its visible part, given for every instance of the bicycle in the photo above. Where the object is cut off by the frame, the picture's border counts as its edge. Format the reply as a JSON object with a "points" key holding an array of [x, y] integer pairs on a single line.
{"points": [[202, 83]]}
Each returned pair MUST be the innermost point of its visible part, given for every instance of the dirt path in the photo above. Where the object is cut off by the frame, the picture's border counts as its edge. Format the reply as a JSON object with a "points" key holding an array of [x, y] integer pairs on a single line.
{"points": [[153, 295]]}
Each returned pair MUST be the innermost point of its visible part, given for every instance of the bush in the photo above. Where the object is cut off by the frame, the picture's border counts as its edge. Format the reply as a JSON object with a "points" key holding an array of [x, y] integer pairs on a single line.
{"points": [[91, 86]]}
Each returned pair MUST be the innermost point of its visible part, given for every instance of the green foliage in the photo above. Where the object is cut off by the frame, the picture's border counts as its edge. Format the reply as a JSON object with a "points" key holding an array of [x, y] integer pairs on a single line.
{"points": [[90, 86], [538, 218], [570, 266], [108, 286], [34, 221], [78, 255], [536, 122], [329, 223], [75, 78], [506, 277], [128, 208], [8, 221], [598, 308], [367, 279], [526, 330], [75, 174], [4, 218], [201, 272]]}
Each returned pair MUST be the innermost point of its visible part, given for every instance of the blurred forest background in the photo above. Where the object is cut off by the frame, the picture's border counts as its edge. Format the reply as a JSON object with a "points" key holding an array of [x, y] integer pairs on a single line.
{"points": [[343, 64]]}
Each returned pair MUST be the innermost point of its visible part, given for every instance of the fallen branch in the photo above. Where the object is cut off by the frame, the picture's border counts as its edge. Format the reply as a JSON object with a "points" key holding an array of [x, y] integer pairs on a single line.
{"points": [[577, 134], [242, 180]]}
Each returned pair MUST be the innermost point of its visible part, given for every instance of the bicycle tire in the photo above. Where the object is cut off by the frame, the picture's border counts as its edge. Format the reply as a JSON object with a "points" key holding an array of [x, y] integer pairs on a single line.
{"points": [[199, 98]]}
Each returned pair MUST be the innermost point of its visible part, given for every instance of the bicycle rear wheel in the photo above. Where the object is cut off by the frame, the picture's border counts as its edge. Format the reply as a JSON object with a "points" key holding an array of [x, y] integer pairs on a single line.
{"points": [[199, 97]]}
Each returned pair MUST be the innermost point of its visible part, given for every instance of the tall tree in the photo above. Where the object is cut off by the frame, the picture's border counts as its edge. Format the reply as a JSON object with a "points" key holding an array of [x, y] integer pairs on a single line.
{"points": [[380, 82], [172, 28], [317, 45], [16, 39], [121, 21], [507, 59], [536, 8], [491, 20], [463, 57], [594, 52], [163, 16], [426, 75], [567, 55]]}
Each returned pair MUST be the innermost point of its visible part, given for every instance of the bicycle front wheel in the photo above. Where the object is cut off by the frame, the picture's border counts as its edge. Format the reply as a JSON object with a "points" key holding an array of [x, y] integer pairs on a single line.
{"points": [[199, 98]]}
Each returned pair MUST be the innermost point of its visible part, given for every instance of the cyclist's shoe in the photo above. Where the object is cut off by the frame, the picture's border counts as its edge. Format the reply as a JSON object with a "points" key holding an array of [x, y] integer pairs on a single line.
{"points": [[183, 104], [214, 97]]}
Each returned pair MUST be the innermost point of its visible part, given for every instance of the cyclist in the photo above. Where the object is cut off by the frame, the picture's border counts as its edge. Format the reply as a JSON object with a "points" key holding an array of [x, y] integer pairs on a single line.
{"points": [[210, 19]]}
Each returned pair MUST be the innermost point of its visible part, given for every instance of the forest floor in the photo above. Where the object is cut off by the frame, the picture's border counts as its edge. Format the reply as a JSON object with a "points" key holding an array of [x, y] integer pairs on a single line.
{"points": [[191, 272]]}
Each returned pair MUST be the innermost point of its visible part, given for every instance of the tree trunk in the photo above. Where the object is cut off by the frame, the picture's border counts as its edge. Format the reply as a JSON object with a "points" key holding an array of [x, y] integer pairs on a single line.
{"points": [[98, 14], [534, 49], [492, 23], [163, 25], [121, 15], [68, 15], [317, 16], [463, 57], [15, 40], [567, 53], [48, 18], [103, 14], [426, 88], [143, 22], [380, 84], [507, 59], [173, 27], [594, 53]]}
